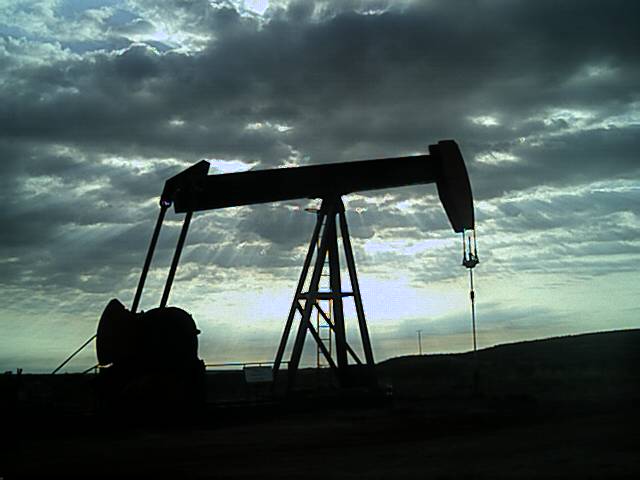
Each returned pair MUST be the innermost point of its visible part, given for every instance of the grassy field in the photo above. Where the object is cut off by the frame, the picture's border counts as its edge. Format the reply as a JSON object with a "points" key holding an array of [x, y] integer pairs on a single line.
{"points": [[563, 408]]}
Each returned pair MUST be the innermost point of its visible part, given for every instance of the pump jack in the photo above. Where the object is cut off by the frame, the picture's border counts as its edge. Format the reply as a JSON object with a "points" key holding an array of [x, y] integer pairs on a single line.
{"points": [[194, 190]]}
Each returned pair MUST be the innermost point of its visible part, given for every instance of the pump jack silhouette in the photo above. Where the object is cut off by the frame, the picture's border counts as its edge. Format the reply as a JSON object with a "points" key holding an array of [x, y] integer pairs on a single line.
{"points": [[194, 190]]}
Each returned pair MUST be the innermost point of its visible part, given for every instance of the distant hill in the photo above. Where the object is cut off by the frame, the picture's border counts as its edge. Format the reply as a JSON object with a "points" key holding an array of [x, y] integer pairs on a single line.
{"points": [[614, 348], [586, 369]]}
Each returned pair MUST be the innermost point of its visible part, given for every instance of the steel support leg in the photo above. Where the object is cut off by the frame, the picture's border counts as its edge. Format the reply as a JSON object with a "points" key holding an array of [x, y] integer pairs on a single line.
{"points": [[355, 286], [176, 259], [147, 261]]}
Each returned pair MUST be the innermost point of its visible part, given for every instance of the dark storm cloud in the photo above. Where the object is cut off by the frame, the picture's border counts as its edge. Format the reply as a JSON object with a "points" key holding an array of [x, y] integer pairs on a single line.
{"points": [[572, 158], [309, 85], [352, 84]]}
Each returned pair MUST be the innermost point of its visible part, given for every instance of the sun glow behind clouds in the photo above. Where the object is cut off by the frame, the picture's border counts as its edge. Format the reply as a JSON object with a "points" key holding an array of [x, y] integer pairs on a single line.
{"points": [[494, 158], [485, 120], [388, 301], [268, 125], [404, 246], [257, 7], [229, 166], [576, 119]]}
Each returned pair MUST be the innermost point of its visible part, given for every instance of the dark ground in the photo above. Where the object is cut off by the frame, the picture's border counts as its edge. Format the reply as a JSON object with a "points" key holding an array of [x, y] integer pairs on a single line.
{"points": [[565, 408]]}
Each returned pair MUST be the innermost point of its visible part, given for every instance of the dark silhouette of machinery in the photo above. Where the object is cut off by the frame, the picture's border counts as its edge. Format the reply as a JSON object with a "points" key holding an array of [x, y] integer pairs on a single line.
{"points": [[164, 337], [152, 359], [167, 335]]}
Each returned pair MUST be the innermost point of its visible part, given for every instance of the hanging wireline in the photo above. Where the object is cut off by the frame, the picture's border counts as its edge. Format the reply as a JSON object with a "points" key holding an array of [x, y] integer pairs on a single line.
{"points": [[470, 260]]}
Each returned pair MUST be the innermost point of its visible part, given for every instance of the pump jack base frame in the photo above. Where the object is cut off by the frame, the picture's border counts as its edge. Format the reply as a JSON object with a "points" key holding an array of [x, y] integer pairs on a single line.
{"points": [[324, 242]]}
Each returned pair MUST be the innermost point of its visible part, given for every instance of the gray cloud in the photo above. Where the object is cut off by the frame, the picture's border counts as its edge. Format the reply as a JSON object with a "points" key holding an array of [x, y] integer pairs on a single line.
{"points": [[494, 316], [378, 83]]}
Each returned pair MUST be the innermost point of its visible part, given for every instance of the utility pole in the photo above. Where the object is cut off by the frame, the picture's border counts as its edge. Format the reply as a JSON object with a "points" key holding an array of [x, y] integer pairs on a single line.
{"points": [[419, 341]]}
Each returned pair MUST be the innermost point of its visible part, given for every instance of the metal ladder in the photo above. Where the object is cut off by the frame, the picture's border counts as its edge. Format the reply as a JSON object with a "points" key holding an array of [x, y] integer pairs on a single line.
{"points": [[323, 328]]}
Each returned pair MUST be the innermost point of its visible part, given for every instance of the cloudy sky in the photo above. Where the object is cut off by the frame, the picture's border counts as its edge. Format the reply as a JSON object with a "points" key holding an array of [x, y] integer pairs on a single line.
{"points": [[102, 100]]}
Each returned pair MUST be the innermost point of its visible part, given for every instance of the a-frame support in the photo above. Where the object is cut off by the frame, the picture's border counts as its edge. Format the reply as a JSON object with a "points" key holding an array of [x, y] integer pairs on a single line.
{"points": [[326, 230]]}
